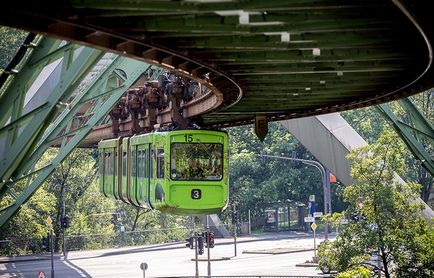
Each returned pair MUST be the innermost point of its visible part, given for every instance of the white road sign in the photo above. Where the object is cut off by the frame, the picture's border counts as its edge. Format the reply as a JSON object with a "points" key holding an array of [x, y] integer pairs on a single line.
{"points": [[309, 219]]}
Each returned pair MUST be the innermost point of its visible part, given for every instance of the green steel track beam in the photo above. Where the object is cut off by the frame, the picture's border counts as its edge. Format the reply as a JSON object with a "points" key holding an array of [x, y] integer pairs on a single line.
{"points": [[20, 138], [416, 132], [102, 94]]}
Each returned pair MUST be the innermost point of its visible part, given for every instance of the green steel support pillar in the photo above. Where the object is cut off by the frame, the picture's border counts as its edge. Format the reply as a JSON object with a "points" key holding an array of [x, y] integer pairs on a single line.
{"points": [[414, 129], [102, 95], [26, 119]]}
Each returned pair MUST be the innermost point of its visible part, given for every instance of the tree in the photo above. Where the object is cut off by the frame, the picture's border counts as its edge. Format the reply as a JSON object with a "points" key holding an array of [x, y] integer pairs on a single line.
{"points": [[259, 182], [10, 41], [384, 216], [74, 176], [29, 225], [369, 124]]}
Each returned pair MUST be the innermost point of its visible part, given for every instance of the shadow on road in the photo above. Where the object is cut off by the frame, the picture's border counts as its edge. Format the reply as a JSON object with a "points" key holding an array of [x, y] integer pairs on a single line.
{"points": [[62, 268]]}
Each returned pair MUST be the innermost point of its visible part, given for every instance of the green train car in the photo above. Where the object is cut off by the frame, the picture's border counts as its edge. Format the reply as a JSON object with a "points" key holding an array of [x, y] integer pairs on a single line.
{"points": [[182, 172]]}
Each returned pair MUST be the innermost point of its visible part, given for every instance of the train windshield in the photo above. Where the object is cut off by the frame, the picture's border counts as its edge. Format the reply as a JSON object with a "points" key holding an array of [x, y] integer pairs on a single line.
{"points": [[196, 161]]}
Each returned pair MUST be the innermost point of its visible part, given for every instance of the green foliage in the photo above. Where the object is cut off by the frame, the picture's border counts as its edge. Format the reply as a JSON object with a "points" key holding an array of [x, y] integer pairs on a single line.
{"points": [[369, 124], [358, 272], [10, 41], [28, 226], [366, 121], [389, 219], [257, 182]]}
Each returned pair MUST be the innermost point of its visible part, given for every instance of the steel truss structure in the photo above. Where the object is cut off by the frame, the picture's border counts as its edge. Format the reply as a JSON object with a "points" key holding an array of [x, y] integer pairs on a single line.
{"points": [[56, 94]]}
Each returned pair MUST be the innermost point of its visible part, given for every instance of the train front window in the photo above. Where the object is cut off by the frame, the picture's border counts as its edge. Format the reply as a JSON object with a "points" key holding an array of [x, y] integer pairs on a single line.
{"points": [[196, 161]]}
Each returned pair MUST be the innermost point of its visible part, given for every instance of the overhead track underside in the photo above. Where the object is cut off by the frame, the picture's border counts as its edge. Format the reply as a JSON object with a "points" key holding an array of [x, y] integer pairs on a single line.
{"points": [[281, 59]]}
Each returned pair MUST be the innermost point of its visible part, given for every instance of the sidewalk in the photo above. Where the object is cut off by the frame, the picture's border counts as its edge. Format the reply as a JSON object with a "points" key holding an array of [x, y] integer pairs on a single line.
{"points": [[175, 245]]}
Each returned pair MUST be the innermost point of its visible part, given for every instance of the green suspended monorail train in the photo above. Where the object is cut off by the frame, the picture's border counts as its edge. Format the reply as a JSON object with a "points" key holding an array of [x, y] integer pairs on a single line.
{"points": [[182, 172]]}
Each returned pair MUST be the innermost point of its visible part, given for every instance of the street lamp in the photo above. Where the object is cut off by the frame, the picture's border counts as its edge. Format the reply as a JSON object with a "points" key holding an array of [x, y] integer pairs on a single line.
{"points": [[325, 181]]}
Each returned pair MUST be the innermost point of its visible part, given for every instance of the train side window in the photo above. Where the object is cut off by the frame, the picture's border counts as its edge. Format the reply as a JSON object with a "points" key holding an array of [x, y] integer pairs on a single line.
{"points": [[133, 162], [151, 163], [146, 163], [112, 164], [101, 164], [109, 164], [124, 164], [140, 164], [106, 164], [160, 163], [115, 163]]}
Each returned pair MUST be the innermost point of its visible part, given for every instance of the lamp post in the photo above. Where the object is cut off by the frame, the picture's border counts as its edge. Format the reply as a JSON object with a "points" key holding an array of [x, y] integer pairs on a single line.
{"points": [[325, 182]]}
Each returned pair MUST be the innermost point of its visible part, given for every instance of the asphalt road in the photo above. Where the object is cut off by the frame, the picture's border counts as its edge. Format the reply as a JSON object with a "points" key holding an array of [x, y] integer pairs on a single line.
{"points": [[266, 255]]}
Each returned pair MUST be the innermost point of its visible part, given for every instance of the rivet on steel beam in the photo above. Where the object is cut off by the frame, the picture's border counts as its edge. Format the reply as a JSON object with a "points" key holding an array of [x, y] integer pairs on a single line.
{"points": [[12, 71], [285, 37], [30, 45], [244, 17]]}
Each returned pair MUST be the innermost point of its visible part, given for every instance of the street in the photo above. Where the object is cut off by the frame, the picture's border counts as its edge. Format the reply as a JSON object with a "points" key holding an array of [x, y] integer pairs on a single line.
{"points": [[255, 256]]}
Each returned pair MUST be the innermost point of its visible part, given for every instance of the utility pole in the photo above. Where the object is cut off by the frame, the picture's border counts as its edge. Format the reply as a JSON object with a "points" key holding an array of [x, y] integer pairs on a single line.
{"points": [[63, 227], [208, 247], [195, 248], [50, 243], [250, 225], [52, 252], [234, 224]]}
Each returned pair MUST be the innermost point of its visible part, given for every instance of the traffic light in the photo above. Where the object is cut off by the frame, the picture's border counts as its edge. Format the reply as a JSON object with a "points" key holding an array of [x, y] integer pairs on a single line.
{"points": [[210, 239], [189, 243], [234, 217], [200, 244], [65, 222], [46, 243]]}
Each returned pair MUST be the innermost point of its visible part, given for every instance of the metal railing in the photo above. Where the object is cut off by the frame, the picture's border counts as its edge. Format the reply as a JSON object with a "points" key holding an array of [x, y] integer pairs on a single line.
{"points": [[18, 246]]}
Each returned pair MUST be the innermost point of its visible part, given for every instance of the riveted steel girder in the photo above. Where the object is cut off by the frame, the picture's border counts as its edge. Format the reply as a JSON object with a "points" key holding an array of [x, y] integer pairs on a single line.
{"points": [[414, 129], [98, 97], [33, 98]]}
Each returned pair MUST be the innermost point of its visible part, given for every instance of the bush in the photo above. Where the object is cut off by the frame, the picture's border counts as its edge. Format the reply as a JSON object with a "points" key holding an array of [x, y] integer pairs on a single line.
{"points": [[358, 272], [326, 257]]}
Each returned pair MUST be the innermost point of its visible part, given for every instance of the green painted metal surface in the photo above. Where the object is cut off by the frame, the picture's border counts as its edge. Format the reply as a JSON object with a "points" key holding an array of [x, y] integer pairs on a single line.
{"points": [[414, 129], [21, 138], [281, 59], [101, 95]]}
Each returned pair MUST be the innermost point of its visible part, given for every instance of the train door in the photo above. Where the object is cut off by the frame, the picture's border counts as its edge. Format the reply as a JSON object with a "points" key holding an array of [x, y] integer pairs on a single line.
{"points": [[143, 176], [103, 172], [151, 171], [159, 174], [115, 166], [110, 182], [124, 188], [134, 191]]}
